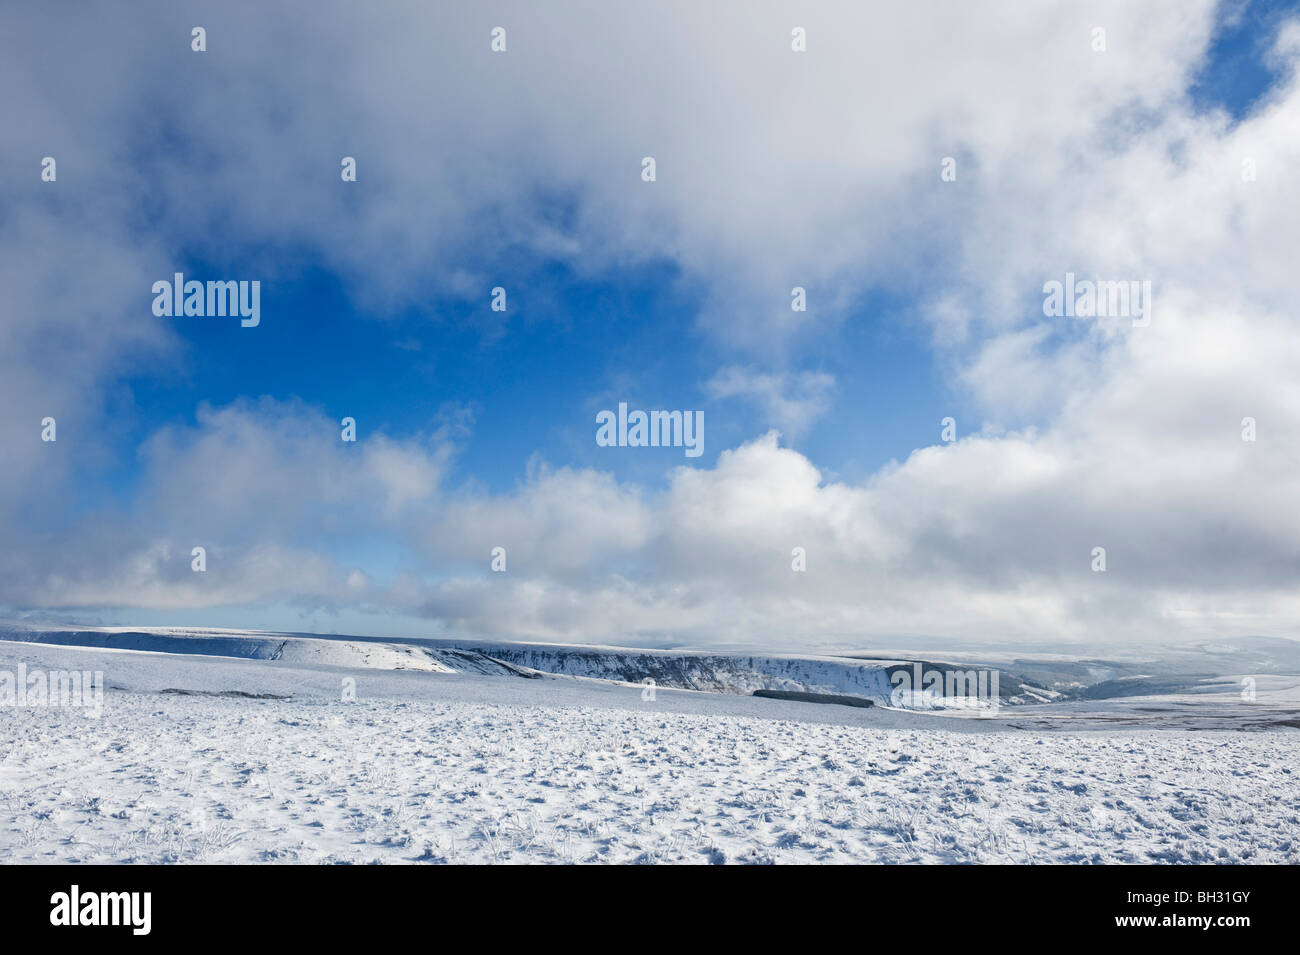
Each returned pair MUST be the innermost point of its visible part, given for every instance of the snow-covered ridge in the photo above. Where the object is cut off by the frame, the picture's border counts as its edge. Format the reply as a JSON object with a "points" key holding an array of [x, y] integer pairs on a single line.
{"points": [[681, 669], [1022, 678], [696, 670], [359, 652]]}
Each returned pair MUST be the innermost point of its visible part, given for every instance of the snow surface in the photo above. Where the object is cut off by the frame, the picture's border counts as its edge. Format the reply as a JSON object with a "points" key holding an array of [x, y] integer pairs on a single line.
{"points": [[431, 766]]}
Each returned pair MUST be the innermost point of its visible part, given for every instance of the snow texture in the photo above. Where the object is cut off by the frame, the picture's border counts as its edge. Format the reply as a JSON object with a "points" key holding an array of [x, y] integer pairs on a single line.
{"points": [[207, 758]]}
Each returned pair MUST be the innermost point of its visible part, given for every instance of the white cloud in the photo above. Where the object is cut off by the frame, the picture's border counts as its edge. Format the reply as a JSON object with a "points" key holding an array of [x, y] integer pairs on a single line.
{"points": [[775, 169], [788, 401]]}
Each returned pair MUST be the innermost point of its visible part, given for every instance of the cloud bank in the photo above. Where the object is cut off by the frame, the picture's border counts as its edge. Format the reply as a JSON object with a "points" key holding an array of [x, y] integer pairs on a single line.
{"points": [[774, 169]]}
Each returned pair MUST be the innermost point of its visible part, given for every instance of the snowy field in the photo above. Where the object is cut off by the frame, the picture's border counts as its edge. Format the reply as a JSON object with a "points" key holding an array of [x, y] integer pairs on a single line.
{"points": [[430, 767]]}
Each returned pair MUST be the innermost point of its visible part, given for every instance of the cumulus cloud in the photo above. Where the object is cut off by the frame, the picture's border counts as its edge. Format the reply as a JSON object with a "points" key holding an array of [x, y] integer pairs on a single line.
{"points": [[268, 488], [790, 402], [774, 170]]}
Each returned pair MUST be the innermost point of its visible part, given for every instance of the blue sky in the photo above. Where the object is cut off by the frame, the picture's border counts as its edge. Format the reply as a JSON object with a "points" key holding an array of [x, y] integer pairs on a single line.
{"points": [[531, 378], [776, 169], [1237, 70]]}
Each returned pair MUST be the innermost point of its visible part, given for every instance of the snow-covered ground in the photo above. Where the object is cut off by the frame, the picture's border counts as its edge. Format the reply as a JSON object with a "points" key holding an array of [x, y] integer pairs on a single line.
{"points": [[207, 758]]}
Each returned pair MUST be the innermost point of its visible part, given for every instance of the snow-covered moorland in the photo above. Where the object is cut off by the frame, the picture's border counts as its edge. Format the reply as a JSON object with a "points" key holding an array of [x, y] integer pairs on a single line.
{"points": [[199, 759]]}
